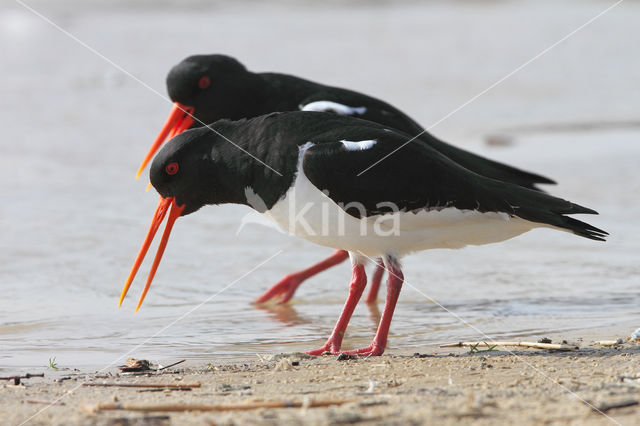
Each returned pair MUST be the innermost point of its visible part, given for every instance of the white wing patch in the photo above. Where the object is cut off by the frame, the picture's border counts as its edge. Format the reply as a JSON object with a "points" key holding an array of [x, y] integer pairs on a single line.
{"points": [[328, 106], [358, 146]]}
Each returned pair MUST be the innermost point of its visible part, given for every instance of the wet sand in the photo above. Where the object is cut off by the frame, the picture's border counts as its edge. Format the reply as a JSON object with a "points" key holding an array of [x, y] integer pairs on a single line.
{"points": [[436, 385]]}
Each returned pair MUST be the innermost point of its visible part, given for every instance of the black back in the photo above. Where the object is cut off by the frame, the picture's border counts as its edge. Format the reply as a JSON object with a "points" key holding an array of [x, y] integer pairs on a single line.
{"points": [[235, 93], [263, 154]]}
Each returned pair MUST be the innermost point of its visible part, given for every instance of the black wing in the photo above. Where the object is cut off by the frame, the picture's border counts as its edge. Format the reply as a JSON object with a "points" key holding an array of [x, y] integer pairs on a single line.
{"points": [[385, 114], [418, 177], [364, 107]]}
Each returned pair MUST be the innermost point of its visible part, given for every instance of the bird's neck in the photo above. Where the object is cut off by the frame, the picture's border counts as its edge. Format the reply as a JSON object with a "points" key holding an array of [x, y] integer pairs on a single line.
{"points": [[255, 165], [242, 97], [282, 92]]}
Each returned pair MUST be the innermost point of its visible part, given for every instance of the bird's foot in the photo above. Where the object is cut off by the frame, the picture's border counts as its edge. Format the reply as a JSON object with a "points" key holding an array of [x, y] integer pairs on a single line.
{"points": [[283, 290], [371, 350], [332, 347]]}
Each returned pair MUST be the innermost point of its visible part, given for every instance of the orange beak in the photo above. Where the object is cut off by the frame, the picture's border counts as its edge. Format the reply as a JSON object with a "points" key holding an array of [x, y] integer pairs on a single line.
{"points": [[158, 217], [180, 119]]}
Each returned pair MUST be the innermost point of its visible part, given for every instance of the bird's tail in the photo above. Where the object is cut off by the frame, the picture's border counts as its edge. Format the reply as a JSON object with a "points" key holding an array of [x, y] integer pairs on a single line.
{"points": [[540, 207], [562, 221], [488, 168]]}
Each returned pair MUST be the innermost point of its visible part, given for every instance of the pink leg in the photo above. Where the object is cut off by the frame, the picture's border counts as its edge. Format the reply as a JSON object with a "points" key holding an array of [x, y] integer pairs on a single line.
{"points": [[287, 286], [372, 295], [358, 283], [379, 343]]}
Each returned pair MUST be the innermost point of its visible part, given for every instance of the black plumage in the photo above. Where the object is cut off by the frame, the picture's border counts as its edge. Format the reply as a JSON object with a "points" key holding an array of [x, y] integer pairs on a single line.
{"points": [[316, 155], [235, 93], [414, 178]]}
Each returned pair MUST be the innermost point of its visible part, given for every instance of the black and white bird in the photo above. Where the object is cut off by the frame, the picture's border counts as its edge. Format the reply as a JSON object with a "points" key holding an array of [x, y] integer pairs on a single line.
{"points": [[207, 88], [416, 199]]}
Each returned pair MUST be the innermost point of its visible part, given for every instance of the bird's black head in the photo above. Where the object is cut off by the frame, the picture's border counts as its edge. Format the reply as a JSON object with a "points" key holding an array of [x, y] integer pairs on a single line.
{"points": [[205, 89], [210, 84], [189, 173], [185, 169]]}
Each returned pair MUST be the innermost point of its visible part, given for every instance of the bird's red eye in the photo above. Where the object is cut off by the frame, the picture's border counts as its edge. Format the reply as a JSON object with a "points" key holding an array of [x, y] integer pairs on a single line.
{"points": [[204, 82], [172, 168]]}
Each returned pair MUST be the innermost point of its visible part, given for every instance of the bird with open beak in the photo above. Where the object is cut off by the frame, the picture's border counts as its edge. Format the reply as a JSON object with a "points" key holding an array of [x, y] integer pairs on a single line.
{"points": [[302, 159], [207, 88]]}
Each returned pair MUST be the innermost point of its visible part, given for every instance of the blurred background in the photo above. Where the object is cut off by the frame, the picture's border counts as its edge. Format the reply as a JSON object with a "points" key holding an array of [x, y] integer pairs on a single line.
{"points": [[75, 128]]}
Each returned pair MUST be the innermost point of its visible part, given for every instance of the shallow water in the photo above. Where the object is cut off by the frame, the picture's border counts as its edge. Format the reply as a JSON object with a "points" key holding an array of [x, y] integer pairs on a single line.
{"points": [[75, 129]]}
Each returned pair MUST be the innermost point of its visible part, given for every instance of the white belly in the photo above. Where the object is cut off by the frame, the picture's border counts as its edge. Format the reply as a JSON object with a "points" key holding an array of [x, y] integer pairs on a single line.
{"points": [[310, 214]]}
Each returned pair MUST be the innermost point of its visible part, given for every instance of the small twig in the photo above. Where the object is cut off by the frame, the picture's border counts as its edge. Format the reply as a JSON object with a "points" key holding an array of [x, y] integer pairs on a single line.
{"points": [[604, 407], [171, 365], [146, 385], [26, 376], [631, 381], [143, 407], [41, 401], [610, 342], [492, 345]]}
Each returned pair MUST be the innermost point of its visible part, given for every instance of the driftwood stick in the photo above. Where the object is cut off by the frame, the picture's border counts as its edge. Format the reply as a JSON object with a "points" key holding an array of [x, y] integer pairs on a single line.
{"points": [[610, 342], [146, 385], [554, 346], [171, 365], [144, 407], [26, 376], [42, 401], [606, 406]]}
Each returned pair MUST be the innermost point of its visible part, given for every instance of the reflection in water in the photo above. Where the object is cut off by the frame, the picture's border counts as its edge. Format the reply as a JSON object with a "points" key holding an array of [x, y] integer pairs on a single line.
{"points": [[374, 314], [288, 315], [284, 313]]}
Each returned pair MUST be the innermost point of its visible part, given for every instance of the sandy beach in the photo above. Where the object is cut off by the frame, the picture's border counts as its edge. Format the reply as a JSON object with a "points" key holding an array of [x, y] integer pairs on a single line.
{"points": [[596, 384]]}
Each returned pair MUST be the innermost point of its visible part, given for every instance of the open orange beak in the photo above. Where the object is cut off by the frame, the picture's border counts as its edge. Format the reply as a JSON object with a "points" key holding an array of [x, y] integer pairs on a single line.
{"points": [[158, 217], [180, 119]]}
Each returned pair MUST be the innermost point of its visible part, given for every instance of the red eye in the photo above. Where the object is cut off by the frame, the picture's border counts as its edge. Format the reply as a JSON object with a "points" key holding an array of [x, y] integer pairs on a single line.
{"points": [[172, 168], [204, 82]]}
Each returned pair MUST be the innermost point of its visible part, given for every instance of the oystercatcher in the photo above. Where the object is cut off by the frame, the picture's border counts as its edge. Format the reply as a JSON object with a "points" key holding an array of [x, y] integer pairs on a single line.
{"points": [[417, 199], [206, 88]]}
